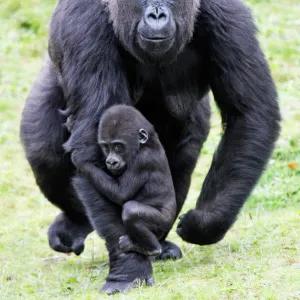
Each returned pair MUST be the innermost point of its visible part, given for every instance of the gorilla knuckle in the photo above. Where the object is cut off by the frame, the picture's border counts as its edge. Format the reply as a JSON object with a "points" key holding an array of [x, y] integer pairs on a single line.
{"points": [[202, 228]]}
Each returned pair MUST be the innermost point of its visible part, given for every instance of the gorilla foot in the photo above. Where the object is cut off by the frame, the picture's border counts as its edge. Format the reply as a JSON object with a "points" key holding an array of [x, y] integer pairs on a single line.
{"points": [[169, 251], [127, 271], [202, 228], [111, 288], [126, 245], [66, 236]]}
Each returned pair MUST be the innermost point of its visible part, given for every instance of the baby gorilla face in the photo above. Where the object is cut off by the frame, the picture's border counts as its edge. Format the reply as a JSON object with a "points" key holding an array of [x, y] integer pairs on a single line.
{"points": [[115, 153], [121, 134]]}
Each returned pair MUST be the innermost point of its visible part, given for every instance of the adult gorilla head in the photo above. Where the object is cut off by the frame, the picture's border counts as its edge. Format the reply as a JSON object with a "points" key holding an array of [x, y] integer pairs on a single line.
{"points": [[153, 30]]}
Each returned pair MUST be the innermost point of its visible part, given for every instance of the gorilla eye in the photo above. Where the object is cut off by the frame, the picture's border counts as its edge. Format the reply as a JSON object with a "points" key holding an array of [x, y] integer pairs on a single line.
{"points": [[104, 147], [118, 148]]}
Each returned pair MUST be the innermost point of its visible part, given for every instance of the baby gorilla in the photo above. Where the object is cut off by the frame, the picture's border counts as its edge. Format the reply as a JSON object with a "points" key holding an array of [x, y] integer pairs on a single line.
{"points": [[140, 179]]}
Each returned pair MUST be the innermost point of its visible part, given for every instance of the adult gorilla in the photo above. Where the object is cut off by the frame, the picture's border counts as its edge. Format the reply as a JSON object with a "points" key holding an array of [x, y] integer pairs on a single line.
{"points": [[163, 57]]}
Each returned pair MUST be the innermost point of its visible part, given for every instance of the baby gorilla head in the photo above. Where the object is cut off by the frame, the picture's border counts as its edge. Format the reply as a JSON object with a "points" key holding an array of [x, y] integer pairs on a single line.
{"points": [[122, 131]]}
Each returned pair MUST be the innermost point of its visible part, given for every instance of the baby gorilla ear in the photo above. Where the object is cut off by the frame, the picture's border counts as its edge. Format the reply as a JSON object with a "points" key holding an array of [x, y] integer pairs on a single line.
{"points": [[143, 136]]}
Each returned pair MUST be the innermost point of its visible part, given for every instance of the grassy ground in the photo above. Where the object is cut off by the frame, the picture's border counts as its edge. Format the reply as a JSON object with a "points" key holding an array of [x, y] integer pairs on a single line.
{"points": [[258, 259]]}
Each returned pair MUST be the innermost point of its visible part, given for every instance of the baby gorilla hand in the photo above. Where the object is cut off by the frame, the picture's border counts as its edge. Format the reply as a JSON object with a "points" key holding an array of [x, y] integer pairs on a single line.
{"points": [[202, 228], [66, 236]]}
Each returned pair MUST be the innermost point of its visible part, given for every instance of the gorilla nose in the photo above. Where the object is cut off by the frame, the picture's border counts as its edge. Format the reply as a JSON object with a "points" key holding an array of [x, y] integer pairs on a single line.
{"points": [[113, 164], [157, 18]]}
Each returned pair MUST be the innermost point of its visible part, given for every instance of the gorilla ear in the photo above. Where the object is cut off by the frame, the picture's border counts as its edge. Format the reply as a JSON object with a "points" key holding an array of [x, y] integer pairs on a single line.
{"points": [[143, 136]]}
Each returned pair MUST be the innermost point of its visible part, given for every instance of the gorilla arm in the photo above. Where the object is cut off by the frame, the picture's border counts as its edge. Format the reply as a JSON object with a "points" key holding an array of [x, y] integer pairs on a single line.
{"points": [[244, 91], [118, 190], [88, 61]]}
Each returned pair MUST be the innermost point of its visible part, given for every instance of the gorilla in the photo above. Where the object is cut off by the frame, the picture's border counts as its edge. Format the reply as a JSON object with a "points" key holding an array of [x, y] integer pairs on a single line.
{"points": [[140, 180], [136, 178], [163, 57]]}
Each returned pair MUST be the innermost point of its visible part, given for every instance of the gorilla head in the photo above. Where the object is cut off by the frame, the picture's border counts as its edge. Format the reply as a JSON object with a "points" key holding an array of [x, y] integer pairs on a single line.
{"points": [[121, 133], [153, 30]]}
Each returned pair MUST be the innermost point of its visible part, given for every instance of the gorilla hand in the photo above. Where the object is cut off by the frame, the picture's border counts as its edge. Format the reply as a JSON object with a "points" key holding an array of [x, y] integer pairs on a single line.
{"points": [[66, 236], [169, 251], [202, 227]]}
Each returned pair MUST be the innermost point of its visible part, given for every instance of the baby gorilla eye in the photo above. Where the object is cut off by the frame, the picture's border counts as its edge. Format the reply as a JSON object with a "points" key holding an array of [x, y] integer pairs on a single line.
{"points": [[104, 148], [118, 148]]}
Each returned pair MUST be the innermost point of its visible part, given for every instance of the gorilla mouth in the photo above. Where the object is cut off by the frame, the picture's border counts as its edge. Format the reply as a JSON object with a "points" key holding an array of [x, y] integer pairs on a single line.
{"points": [[117, 171], [156, 39]]}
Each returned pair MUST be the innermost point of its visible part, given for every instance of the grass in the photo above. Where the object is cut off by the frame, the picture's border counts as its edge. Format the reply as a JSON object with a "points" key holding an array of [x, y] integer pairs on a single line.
{"points": [[258, 259]]}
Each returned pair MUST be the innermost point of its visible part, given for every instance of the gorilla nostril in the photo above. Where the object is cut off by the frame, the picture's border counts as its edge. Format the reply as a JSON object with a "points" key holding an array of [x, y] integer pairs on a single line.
{"points": [[156, 14], [152, 16], [162, 16], [112, 163]]}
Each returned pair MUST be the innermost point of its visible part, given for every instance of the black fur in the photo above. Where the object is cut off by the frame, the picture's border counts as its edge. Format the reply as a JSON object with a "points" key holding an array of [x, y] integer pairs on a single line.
{"points": [[98, 59]]}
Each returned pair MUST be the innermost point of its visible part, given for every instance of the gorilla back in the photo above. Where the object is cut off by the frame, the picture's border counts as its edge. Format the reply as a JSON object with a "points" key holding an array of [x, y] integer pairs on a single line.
{"points": [[162, 57]]}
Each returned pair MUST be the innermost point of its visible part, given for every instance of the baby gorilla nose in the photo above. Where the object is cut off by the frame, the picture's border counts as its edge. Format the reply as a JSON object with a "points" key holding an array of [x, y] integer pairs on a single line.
{"points": [[112, 163]]}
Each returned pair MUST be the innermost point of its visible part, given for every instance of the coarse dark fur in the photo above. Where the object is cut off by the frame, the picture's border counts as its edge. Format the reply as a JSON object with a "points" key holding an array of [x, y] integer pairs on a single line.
{"points": [[163, 62]]}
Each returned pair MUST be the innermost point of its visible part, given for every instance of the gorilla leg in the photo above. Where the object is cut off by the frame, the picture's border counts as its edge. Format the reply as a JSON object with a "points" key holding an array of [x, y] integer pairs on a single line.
{"points": [[144, 226], [42, 135], [125, 269], [183, 161]]}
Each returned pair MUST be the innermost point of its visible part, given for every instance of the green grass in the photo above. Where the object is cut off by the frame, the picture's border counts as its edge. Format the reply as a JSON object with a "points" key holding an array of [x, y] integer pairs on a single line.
{"points": [[258, 259]]}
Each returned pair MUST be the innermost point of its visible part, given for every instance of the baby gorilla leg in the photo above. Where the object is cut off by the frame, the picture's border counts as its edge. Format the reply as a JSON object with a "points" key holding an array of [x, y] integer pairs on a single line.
{"points": [[142, 224]]}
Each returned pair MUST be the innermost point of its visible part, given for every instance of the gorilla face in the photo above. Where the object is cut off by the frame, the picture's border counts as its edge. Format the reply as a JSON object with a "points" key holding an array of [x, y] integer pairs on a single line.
{"points": [[153, 30], [156, 30]]}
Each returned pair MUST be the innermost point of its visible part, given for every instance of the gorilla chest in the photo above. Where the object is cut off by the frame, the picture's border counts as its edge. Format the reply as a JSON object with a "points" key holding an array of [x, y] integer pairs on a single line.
{"points": [[168, 96], [176, 87]]}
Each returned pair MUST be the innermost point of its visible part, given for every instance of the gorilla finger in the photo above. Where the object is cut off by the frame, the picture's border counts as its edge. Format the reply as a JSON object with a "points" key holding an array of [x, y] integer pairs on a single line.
{"points": [[58, 246], [150, 281], [179, 231], [179, 225], [78, 246], [170, 251], [181, 217]]}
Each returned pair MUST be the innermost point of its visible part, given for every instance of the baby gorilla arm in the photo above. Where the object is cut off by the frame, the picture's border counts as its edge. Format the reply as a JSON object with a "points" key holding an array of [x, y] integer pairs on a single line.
{"points": [[116, 190]]}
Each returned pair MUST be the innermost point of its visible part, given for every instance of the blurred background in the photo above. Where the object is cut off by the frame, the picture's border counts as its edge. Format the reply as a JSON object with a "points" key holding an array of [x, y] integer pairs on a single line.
{"points": [[258, 259]]}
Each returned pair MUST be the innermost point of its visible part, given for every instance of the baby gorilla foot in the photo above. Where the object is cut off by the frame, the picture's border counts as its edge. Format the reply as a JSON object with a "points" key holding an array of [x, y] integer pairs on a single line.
{"points": [[66, 236], [127, 271], [127, 245]]}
